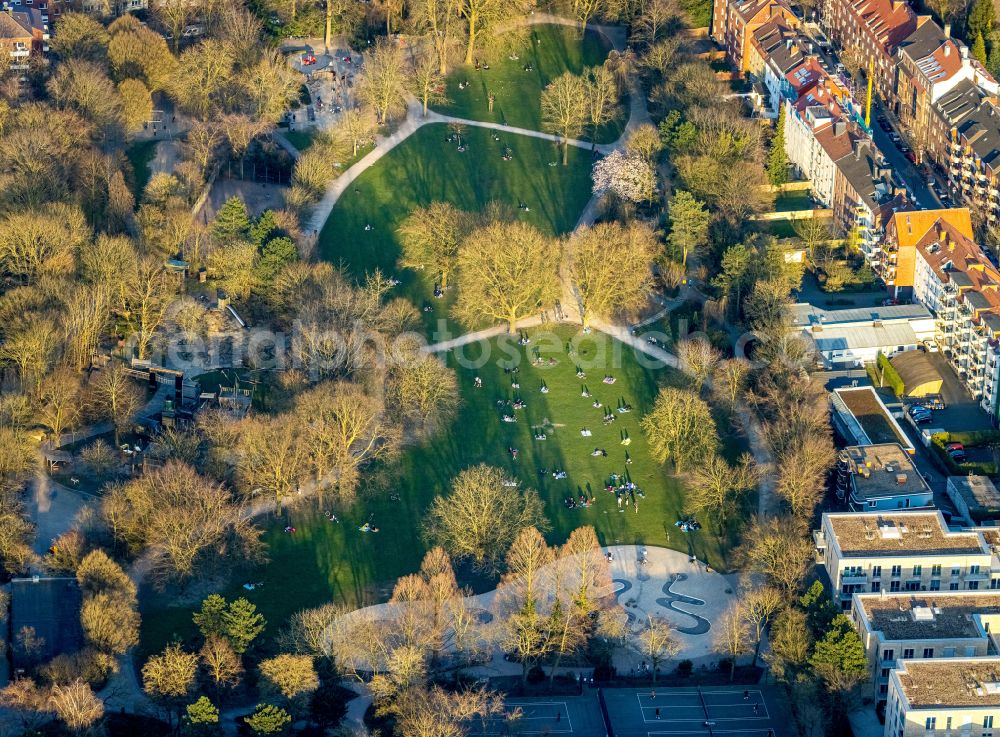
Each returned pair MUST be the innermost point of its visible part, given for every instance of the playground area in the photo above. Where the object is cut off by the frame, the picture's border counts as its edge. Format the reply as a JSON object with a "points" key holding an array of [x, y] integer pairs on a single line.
{"points": [[667, 583]]}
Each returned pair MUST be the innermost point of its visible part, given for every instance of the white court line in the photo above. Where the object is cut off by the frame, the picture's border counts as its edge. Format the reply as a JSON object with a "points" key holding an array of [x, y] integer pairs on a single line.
{"points": [[754, 732], [525, 705], [761, 732]]}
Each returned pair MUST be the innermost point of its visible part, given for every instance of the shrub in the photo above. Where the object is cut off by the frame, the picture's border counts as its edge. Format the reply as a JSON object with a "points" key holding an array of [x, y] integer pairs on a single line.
{"points": [[685, 668], [889, 376]]}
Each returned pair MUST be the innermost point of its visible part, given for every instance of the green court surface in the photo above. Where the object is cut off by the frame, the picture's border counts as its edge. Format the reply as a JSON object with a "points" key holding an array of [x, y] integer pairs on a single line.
{"points": [[549, 51], [139, 155]]}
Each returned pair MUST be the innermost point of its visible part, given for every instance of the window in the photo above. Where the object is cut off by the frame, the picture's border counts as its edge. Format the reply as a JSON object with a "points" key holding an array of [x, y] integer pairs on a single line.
{"points": [[974, 570], [885, 672], [947, 724], [953, 587], [877, 572], [956, 571], [930, 724], [973, 585], [970, 651], [988, 722], [935, 585], [888, 654], [949, 652], [913, 585], [928, 652], [995, 583], [897, 570], [917, 570], [894, 586], [876, 586], [908, 652]]}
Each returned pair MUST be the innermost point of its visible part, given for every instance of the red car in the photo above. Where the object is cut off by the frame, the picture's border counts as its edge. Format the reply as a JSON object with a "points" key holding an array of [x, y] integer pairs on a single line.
{"points": [[308, 60], [911, 157]]}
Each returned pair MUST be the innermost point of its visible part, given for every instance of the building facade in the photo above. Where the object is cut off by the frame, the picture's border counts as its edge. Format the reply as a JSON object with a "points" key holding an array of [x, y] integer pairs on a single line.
{"points": [[957, 696], [899, 551], [872, 29], [734, 23], [904, 626]]}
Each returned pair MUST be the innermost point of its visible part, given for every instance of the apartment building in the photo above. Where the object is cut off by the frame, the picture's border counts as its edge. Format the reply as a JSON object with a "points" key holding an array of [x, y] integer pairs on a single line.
{"points": [[769, 37], [956, 281], [971, 150], [895, 261], [734, 22], [864, 196], [958, 696], [881, 477], [866, 552], [24, 30], [875, 28], [931, 65], [904, 626]]}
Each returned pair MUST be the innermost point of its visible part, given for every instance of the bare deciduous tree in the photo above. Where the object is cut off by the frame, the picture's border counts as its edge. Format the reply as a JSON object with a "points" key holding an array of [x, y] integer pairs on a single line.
{"points": [[680, 428], [732, 635], [802, 471], [718, 488], [611, 267], [657, 642], [564, 108], [384, 81], [523, 602], [430, 238], [729, 380], [76, 705], [483, 516], [778, 550], [698, 359], [760, 605], [506, 271]]}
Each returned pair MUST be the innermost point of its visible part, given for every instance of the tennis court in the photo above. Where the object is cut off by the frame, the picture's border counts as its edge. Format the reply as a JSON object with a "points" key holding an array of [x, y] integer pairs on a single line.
{"points": [[578, 716], [713, 711]]}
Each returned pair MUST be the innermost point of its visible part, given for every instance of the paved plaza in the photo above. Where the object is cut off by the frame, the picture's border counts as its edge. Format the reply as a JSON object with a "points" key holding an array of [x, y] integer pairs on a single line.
{"points": [[670, 585]]}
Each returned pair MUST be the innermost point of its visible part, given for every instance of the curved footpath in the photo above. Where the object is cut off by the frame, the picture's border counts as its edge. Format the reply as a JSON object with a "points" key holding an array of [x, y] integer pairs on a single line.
{"points": [[415, 119]]}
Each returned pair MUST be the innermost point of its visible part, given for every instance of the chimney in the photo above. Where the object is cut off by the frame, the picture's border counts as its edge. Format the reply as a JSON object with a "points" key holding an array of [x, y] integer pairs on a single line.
{"points": [[947, 49], [947, 30], [839, 128]]}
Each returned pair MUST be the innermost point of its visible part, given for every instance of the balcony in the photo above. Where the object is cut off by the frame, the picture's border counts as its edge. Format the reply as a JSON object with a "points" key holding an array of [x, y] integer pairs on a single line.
{"points": [[819, 540], [854, 579]]}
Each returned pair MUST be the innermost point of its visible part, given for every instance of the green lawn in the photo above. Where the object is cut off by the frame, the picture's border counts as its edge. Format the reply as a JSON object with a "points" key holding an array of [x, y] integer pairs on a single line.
{"points": [[325, 561], [139, 155], [551, 50], [426, 168], [300, 139], [793, 201]]}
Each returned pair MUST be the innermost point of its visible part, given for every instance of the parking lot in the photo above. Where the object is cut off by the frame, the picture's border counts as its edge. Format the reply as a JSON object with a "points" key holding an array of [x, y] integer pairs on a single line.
{"points": [[961, 411]]}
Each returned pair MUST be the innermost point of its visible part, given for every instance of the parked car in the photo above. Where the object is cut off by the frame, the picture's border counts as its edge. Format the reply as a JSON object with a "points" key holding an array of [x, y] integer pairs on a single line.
{"points": [[884, 125], [956, 451], [894, 137]]}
